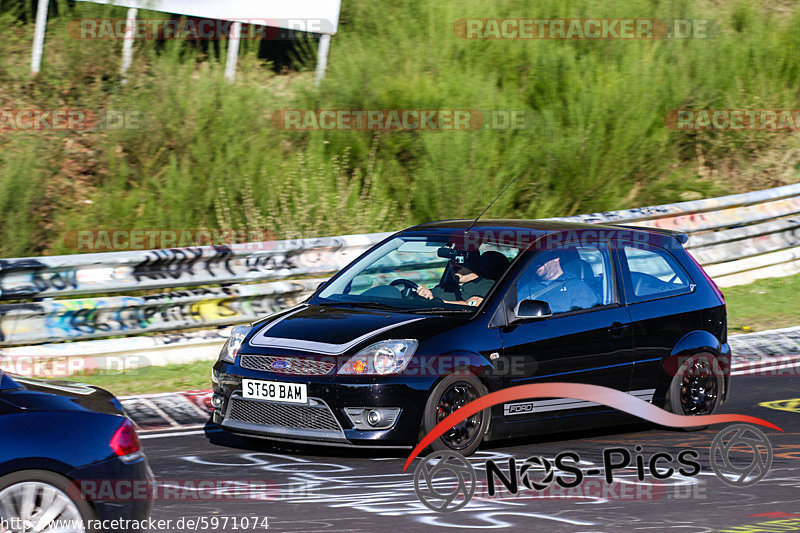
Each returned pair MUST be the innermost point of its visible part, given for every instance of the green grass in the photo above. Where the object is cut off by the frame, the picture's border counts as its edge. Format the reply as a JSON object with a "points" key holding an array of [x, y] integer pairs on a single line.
{"points": [[207, 155], [194, 376], [765, 304]]}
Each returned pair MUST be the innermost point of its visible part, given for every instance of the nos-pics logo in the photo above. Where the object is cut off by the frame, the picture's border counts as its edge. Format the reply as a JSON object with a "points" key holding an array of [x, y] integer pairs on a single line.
{"points": [[433, 481], [446, 481]]}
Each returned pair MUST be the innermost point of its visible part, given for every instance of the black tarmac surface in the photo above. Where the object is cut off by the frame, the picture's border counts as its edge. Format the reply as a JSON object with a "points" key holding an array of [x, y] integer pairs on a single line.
{"points": [[298, 488]]}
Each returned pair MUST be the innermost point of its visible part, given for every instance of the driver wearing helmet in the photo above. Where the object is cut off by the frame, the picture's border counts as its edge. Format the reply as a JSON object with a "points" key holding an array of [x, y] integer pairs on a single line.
{"points": [[469, 289]]}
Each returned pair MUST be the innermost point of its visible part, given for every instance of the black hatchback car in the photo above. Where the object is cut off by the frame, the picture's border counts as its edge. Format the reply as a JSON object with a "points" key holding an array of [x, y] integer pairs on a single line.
{"points": [[442, 313]]}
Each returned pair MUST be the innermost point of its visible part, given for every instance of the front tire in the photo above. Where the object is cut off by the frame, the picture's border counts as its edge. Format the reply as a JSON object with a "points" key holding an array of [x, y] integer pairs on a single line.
{"points": [[450, 394], [696, 388]]}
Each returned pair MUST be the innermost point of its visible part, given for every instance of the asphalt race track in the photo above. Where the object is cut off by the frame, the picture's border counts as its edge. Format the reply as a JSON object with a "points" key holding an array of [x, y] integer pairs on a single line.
{"points": [[334, 489]]}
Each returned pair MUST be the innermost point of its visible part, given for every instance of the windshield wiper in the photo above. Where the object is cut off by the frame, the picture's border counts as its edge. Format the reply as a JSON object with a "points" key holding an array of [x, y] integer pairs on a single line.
{"points": [[370, 305], [442, 310], [386, 307]]}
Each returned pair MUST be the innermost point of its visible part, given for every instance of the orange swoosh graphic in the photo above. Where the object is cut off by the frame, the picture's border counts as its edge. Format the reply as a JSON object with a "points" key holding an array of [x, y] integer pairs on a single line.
{"points": [[578, 391]]}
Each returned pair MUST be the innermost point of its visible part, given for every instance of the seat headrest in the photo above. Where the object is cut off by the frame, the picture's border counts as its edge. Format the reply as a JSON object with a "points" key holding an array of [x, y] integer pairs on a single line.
{"points": [[493, 265]]}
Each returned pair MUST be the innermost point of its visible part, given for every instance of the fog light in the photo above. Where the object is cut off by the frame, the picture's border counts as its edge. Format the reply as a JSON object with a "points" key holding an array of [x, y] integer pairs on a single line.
{"points": [[364, 418], [216, 401], [374, 418]]}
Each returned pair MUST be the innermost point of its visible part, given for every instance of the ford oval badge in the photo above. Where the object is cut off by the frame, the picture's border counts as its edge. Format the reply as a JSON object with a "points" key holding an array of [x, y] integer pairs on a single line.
{"points": [[280, 365]]}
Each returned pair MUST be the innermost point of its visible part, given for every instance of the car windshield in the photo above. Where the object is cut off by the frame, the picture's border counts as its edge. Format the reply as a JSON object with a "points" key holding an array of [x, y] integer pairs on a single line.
{"points": [[421, 273]]}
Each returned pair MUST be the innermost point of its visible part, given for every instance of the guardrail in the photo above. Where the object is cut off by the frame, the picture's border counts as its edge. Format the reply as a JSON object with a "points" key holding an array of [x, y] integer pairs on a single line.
{"points": [[102, 273], [737, 238]]}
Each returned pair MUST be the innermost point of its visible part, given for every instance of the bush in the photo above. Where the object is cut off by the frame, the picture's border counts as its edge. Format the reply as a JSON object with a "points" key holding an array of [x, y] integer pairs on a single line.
{"points": [[207, 154]]}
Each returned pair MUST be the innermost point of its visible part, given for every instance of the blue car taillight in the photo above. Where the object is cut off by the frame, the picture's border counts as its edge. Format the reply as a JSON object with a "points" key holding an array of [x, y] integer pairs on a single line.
{"points": [[125, 442]]}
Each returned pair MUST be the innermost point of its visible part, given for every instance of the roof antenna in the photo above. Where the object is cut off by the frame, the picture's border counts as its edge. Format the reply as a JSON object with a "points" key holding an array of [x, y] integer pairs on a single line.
{"points": [[490, 205]]}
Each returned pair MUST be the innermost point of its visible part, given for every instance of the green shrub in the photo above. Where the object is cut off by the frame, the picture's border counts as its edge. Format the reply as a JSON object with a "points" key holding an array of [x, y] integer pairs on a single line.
{"points": [[207, 154]]}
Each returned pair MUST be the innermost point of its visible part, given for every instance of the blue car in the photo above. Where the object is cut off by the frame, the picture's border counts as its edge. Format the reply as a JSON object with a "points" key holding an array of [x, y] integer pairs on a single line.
{"points": [[443, 313], [57, 439]]}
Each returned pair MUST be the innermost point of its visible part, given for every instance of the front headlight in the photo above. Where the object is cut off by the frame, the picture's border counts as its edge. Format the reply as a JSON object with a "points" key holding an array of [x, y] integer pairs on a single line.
{"points": [[234, 342], [384, 357]]}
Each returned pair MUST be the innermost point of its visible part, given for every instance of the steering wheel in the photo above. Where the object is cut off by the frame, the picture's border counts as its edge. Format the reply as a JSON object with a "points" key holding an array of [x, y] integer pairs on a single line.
{"points": [[409, 287]]}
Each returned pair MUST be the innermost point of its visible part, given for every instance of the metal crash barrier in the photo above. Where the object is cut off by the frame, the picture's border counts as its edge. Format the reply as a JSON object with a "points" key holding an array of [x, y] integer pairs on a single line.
{"points": [[738, 239]]}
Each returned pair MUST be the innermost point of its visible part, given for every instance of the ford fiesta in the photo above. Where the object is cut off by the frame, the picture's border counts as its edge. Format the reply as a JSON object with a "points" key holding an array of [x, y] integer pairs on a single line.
{"points": [[442, 313]]}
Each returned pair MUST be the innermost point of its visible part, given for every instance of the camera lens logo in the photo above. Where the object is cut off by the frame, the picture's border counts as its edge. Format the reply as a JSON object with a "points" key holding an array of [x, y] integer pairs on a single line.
{"points": [[445, 481], [741, 440]]}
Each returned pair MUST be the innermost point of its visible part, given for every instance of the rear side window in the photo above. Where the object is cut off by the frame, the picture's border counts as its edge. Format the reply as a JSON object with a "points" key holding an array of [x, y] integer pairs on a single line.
{"points": [[654, 273]]}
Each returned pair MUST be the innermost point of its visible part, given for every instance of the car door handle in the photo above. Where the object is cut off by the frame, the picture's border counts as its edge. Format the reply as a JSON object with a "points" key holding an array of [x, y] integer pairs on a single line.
{"points": [[617, 329]]}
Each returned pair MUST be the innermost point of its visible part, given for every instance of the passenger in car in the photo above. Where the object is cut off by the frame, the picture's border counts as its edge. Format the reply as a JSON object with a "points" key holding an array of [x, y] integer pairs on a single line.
{"points": [[555, 277]]}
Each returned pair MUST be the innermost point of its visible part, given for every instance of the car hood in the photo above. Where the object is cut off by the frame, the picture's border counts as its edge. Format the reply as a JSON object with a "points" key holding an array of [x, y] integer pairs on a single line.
{"points": [[338, 330], [56, 395]]}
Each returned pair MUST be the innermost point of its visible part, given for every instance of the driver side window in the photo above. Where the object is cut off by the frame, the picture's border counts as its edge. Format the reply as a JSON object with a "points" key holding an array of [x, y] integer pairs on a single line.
{"points": [[568, 277]]}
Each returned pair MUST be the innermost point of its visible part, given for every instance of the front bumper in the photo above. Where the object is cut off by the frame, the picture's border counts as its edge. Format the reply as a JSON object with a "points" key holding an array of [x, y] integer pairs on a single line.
{"points": [[323, 419]]}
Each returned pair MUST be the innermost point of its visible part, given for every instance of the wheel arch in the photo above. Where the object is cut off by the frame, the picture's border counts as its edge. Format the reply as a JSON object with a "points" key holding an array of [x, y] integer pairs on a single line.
{"points": [[46, 464], [693, 343], [471, 363], [465, 361]]}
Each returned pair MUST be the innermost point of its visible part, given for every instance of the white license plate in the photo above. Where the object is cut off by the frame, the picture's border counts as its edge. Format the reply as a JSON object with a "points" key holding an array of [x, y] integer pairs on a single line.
{"points": [[275, 391]]}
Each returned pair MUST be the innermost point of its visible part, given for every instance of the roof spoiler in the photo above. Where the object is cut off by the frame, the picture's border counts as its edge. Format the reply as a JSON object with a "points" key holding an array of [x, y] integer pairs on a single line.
{"points": [[681, 236]]}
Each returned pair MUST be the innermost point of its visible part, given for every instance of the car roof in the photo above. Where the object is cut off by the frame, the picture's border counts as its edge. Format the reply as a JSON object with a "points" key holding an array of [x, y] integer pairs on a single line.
{"points": [[542, 227]]}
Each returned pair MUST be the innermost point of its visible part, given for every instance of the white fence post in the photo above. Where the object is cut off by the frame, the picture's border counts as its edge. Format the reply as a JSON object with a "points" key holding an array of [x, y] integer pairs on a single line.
{"points": [[127, 44], [322, 57], [38, 36], [233, 51]]}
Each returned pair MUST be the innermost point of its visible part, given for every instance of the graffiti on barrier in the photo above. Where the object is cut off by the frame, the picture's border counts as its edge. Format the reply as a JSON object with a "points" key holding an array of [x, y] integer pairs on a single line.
{"points": [[25, 278], [85, 318]]}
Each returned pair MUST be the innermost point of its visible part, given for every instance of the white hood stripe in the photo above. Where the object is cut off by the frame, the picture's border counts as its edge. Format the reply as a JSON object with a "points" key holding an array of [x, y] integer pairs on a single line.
{"points": [[263, 341]]}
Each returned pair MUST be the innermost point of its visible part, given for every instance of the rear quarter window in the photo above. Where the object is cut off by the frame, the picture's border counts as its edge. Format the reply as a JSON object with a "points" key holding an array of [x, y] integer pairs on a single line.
{"points": [[654, 273]]}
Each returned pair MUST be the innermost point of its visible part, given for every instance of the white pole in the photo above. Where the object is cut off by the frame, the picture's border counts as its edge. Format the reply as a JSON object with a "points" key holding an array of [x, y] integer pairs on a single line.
{"points": [[322, 57], [127, 44], [38, 36], [233, 51]]}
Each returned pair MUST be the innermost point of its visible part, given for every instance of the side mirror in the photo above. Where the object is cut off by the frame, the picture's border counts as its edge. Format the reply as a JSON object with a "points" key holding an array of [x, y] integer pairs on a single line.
{"points": [[531, 309], [315, 291]]}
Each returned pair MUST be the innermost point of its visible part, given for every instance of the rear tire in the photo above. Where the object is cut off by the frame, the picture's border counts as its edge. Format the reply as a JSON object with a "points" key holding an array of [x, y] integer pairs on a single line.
{"points": [[451, 393], [696, 388], [43, 490]]}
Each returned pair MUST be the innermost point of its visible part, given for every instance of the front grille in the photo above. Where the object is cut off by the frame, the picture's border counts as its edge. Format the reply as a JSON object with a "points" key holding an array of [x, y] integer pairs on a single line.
{"points": [[309, 417], [296, 366]]}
